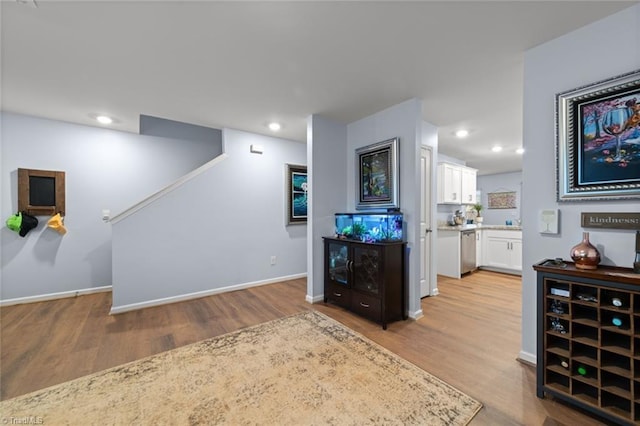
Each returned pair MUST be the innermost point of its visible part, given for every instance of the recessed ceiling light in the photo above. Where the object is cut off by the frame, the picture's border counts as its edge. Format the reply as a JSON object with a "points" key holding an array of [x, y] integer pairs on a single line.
{"points": [[462, 133], [520, 150], [274, 127], [103, 119], [496, 148]]}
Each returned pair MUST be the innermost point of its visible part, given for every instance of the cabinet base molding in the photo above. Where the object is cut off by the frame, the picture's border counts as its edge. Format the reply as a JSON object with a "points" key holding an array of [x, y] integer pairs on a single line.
{"points": [[502, 270]]}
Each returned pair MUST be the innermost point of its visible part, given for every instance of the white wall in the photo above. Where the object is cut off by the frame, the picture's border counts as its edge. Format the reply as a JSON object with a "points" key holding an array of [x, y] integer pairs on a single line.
{"points": [[105, 169], [215, 232], [501, 182], [327, 167], [405, 122], [577, 59]]}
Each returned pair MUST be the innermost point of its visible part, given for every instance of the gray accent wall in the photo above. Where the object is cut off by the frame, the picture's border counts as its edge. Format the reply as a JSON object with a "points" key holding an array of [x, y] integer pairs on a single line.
{"points": [[161, 127], [217, 231], [105, 169], [582, 57]]}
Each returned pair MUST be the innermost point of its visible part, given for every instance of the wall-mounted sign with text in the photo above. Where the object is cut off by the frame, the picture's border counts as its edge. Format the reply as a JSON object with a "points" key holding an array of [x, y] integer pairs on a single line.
{"points": [[611, 220]]}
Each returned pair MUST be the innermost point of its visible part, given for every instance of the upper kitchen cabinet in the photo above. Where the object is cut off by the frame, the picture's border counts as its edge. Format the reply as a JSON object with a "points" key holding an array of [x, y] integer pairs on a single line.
{"points": [[456, 184], [469, 185]]}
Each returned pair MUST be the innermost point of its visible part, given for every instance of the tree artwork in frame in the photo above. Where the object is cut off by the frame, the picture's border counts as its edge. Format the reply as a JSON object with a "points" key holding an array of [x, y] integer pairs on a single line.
{"points": [[297, 191], [377, 179], [598, 140]]}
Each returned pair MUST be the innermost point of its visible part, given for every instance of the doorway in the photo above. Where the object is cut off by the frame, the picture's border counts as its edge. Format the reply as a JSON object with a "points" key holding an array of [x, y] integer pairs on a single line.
{"points": [[428, 282]]}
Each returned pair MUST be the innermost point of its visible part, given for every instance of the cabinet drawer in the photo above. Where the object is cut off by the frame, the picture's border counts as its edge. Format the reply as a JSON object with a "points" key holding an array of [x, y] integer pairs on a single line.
{"points": [[340, 295], [366, 305]]}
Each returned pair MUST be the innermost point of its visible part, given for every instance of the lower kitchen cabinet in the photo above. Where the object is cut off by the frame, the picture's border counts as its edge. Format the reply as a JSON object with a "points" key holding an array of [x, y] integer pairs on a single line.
{"points": [[503, 249], [479, 254], [366, 278]]}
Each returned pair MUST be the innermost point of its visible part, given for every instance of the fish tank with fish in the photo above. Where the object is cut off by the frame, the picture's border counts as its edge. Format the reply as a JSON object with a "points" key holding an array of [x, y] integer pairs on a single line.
{"points": [[371, 227]]}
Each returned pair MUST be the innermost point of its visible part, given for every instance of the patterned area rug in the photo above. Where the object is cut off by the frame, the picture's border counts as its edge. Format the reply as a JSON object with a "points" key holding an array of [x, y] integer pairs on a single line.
{"points": [[301, 370]]}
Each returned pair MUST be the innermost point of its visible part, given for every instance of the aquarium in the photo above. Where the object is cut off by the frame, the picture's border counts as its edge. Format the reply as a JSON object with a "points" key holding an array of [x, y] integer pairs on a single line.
{"points": [[370, 227]]}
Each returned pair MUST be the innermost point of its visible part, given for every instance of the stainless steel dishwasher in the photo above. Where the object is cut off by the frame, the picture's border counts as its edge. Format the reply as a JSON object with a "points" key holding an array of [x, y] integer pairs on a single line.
{"points": [[467, 251]]}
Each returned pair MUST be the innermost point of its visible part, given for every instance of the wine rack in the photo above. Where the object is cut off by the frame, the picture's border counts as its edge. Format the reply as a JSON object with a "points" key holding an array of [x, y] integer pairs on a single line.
{"points": [[589, 338]]}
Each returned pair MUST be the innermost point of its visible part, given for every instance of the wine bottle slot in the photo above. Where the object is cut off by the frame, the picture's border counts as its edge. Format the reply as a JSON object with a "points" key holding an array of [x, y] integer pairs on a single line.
{"points": [[564, 363]]}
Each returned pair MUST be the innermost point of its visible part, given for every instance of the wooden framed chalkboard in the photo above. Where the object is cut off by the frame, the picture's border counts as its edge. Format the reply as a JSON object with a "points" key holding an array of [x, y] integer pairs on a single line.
{"points": [[41, 192]]}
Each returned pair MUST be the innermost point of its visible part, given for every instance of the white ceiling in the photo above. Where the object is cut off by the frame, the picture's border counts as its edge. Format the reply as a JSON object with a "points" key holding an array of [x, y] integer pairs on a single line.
{"points": [[244, 64]]}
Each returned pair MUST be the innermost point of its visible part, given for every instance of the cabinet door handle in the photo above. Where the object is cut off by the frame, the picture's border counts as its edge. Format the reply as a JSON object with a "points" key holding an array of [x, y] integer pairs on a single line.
{"points": [[454, 196], [364, 305], [337, 294]]}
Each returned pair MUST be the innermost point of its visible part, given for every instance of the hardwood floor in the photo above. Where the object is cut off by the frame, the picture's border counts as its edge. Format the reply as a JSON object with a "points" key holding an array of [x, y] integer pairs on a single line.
{"points": [[469, 337]]}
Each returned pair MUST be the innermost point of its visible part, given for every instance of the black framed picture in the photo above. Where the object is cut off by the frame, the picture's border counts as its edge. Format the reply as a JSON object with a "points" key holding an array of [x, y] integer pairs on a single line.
{"points": [[598, 140], [297, 191], [377, 175]]}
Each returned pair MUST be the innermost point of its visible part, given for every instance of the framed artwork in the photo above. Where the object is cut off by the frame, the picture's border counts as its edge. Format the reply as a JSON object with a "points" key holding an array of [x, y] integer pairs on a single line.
{"points": [[598, 140], [548, 221], [41, 192], [377, 168], [502, 200], [297, 191]]}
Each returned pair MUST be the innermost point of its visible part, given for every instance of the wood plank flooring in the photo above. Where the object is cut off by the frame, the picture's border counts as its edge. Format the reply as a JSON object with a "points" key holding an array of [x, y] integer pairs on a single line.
{"points": [[469, 337]]}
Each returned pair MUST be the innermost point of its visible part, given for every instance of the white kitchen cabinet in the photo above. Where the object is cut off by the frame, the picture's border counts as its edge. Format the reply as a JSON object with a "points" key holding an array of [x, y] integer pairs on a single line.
{"points": [[516, 254], [479, 239], [449, 183], [469, 185], [448, 244], [502, 250], [456, 184]]}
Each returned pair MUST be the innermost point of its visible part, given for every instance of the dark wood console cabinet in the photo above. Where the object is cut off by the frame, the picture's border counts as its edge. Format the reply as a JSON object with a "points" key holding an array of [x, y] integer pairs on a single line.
{"points": [[366, 278], [588, 349]]}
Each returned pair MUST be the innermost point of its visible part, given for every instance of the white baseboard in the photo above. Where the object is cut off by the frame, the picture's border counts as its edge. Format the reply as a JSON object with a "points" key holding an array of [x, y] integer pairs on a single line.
{"points": [[528, 357], [434, 292], [314, 299], [416, 315], [54, 296], [189, 296]]}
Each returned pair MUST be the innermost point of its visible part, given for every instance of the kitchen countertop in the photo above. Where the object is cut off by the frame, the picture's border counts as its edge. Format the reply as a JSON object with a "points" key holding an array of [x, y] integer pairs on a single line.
{"points": [[460, 228]]}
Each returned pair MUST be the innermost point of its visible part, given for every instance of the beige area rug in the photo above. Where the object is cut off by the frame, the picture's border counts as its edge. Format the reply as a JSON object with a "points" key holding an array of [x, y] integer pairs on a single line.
{"points": [[306, 369]]}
